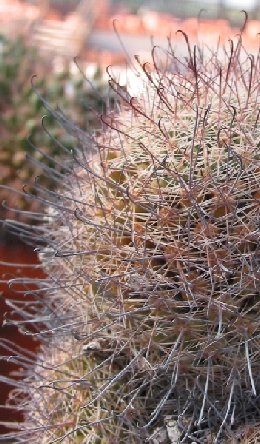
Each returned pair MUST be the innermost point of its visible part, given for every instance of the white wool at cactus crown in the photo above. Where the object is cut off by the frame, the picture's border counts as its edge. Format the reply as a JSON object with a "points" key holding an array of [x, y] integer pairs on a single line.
{"points": [[241, 3], [235, 3]]}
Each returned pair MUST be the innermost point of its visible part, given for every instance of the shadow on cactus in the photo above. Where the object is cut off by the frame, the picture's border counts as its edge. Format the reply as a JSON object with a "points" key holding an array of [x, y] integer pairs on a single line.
{"points": [[150, 323]]}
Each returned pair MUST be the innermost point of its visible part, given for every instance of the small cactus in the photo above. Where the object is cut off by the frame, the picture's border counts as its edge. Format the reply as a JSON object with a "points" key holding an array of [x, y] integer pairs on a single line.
{"points": [[21, 110], [151, 310]]}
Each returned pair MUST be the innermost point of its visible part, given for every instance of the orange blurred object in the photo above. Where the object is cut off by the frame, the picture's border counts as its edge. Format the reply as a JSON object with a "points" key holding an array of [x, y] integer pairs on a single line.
{"points": [[11, 255]]}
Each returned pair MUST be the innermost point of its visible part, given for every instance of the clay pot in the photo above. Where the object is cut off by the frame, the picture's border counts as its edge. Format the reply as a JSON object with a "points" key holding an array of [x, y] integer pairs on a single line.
{"points": [[13, 253]]}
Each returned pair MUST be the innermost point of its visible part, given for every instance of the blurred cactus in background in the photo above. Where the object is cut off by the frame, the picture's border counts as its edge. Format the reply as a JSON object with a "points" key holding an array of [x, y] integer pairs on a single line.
{"points": [[21, 110], [149, 318]]}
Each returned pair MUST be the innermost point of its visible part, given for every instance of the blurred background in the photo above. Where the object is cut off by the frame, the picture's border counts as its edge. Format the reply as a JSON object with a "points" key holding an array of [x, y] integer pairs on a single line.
{"points": [[72, 27], [41, 37]]}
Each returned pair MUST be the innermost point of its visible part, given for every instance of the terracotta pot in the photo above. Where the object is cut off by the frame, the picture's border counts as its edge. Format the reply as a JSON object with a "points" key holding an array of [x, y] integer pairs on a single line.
{"points": [[13, 253]]}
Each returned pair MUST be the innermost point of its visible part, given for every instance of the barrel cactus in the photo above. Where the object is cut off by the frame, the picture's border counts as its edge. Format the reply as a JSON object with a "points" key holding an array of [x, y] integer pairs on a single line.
{"points": [[150, 320]]}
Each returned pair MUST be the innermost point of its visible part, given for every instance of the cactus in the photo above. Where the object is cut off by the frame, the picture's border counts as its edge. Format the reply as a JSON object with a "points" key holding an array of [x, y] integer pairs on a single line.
{"points": [[151, 244], [21, 113]]}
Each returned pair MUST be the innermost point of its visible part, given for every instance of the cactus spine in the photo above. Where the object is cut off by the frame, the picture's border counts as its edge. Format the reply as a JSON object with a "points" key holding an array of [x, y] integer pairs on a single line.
{"points": [[153, 261]]}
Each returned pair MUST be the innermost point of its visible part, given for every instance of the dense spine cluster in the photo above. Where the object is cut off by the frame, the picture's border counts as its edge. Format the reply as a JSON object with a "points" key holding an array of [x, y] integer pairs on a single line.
{"points": [[151, 245]]}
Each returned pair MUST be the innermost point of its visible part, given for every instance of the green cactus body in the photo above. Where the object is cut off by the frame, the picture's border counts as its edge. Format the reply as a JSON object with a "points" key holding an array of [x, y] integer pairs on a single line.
{"points": [[153, 252], [21, 112]]}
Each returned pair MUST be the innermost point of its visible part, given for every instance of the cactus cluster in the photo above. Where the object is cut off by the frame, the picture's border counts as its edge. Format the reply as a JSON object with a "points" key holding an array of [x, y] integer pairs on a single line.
{"points": [[150, 315]]}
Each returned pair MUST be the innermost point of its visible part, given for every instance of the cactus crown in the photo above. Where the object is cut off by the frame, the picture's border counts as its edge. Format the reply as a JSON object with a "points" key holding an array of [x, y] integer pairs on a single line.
{"points": [[151, 310]]}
